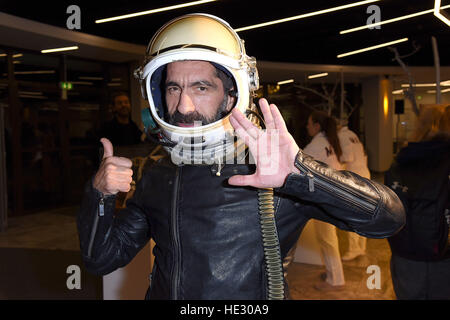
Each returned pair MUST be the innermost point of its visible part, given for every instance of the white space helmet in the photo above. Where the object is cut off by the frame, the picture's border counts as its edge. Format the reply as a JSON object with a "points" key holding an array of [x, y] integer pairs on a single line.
{"points": [[196, 37]]}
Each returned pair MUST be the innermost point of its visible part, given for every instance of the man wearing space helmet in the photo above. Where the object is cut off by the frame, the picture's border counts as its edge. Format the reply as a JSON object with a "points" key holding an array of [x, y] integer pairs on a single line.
{"points": [[222, 221]]}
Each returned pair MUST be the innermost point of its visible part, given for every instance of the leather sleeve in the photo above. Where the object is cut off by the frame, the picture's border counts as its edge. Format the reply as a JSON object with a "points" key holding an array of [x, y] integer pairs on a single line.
{"points": [[345, 199], [112, 240]]}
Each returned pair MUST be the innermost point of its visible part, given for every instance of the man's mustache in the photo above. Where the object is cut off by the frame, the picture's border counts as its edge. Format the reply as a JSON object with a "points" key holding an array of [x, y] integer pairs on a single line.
{"points": [[191, 117]]}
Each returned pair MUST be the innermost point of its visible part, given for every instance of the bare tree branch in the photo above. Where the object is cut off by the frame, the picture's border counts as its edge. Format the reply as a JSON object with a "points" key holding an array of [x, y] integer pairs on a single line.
{"points": [[410, 92], [298, 86]]}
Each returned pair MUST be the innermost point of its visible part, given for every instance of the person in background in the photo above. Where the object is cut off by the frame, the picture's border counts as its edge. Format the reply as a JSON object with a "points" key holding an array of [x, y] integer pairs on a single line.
{"points": [[354, 159], [325, 147], [420, 261], [121, 130]]}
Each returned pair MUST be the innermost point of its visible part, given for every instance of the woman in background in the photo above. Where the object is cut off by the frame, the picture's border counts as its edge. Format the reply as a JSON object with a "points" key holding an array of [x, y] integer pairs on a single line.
{"points": [[354, 159], [325, 147], [420, 261]]}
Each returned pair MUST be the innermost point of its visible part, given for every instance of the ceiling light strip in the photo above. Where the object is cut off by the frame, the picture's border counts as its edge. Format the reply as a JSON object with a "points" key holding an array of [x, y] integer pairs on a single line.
{"points": [[59, 49], [30, 93], [32, 96], [319, 75], [438, 14], [17, 55], [306, 15], [371, 48], [442, 91], [285, 81], [373, 25], [137, 14], [90, 78], [35, 72], [422, 85]]}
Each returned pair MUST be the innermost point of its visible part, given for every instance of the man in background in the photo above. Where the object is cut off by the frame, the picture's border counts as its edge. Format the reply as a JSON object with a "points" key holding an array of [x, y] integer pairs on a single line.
{"points": [[121, 130]]}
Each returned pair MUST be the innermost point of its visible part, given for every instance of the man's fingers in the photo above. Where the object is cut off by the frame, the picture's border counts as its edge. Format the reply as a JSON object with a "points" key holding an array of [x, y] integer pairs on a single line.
{"points": [[114, 184], [241, 132], [242, 180], [115, 175], [117, 187], [267, 113], [278, 118], [243, 122], [108, 149]]}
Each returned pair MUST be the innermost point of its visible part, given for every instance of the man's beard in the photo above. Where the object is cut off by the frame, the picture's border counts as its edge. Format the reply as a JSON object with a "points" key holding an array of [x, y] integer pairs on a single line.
{"points": [[192, 117], [123, 112]]}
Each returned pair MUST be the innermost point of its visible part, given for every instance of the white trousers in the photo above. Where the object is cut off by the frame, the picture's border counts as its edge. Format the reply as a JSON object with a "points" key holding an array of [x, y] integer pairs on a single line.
{"points": [[329, 250]]}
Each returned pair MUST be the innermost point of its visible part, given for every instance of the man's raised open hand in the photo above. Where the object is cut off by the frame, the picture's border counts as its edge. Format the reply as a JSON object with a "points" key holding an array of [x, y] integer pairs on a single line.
{"points": [[274, 149]]}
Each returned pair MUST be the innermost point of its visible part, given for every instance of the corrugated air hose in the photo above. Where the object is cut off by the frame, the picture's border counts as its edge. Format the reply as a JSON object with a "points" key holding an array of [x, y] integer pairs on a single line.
{"points": [[271, 244]]}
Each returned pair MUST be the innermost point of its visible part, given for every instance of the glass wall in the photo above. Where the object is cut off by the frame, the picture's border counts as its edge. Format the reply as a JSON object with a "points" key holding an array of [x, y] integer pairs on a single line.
{"points": [[58, 105], [4, 157]]}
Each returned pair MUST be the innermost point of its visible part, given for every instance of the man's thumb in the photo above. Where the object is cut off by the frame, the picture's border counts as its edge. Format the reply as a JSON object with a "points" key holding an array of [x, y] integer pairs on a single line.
{"points": [[107, 148]]}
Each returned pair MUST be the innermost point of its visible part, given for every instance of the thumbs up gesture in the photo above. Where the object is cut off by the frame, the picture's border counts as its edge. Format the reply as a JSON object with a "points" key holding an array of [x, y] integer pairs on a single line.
{"points": [[115, 174]]}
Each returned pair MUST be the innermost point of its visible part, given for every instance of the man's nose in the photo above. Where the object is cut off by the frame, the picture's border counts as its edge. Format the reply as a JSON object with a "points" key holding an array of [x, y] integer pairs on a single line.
{"points": [[185, 105]]}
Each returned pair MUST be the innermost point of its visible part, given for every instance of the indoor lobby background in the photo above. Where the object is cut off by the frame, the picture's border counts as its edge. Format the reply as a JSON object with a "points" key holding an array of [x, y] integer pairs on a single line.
{"points": [[52, 106]]}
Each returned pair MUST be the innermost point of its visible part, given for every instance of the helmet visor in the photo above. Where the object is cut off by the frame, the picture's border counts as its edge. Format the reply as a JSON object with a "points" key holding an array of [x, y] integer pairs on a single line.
{"points": [[192, 93]]}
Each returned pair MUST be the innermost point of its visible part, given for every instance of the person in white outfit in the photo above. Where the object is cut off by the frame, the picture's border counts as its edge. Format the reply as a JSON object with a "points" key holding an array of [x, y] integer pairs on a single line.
{"points": [[325, 147], [355, 160]]}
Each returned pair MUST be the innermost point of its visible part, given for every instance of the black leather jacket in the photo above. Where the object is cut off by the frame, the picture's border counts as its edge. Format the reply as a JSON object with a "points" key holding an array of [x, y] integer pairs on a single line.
{"points": [[207, 233]]}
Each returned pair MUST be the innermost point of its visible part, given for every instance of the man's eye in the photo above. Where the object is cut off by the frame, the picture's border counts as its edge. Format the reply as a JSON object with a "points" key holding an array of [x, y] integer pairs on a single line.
{"points": [[202, 89], [173, 89]]}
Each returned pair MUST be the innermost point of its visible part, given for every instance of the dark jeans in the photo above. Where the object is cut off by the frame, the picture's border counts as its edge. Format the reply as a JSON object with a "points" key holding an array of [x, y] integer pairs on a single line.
{"points": [[420, 280]]}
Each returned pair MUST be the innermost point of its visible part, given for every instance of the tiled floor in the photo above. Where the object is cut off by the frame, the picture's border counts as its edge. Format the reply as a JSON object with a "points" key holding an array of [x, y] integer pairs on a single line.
{"points": [[302, 277], [57, 230]]}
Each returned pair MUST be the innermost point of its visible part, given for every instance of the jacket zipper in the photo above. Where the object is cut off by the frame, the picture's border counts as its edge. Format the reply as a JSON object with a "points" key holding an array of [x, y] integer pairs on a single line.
{"points": [[101, 207], [343, 192], [101, 213], [175, 235]]}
